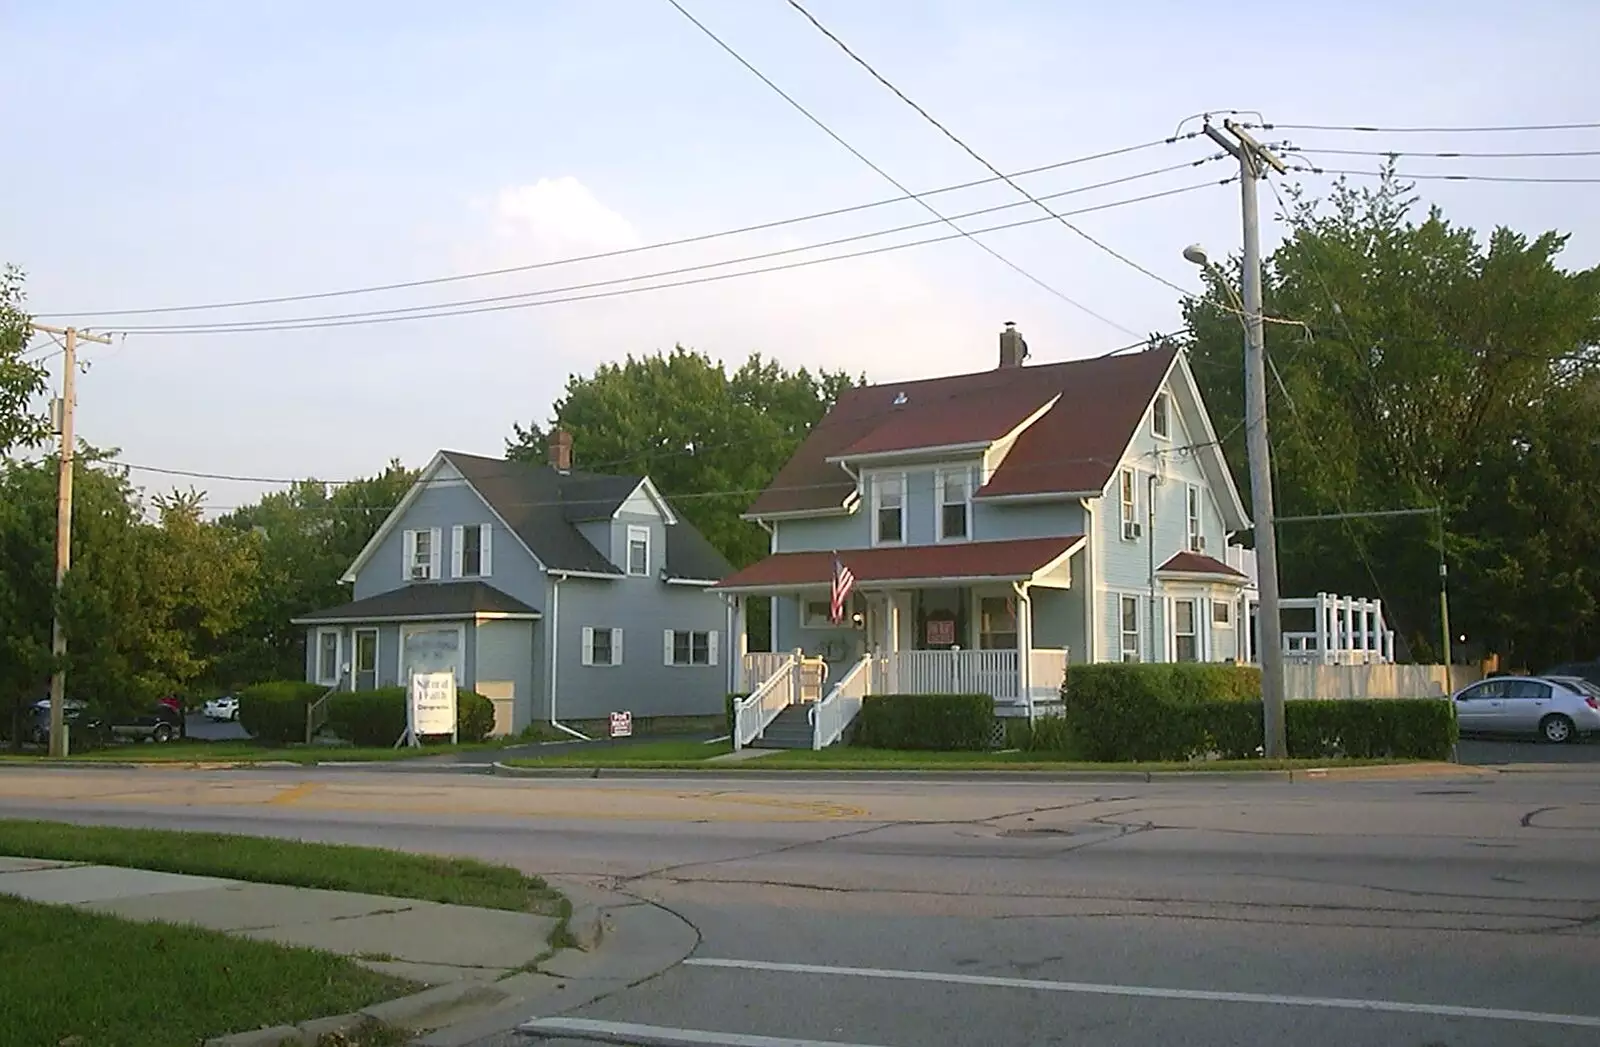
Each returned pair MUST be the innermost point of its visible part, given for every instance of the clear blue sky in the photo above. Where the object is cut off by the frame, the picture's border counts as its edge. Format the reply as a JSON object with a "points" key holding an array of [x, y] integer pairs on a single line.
{"points": [[179, 152]]}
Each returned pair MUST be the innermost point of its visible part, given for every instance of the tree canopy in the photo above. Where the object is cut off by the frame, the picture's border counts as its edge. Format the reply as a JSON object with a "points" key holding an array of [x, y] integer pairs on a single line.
{"points": [[21, 380], [1426, 366]]}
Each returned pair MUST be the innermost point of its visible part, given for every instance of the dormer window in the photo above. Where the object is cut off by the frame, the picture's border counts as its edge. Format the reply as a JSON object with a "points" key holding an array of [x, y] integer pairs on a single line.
{"points": [[639, 551], [1161, 416], [889, 510]]}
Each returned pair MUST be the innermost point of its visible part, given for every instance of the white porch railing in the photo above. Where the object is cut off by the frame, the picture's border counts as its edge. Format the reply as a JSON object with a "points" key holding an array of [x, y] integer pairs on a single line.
{"points": [[950, 672], [833, 714], [780, 690], [757, 667]]}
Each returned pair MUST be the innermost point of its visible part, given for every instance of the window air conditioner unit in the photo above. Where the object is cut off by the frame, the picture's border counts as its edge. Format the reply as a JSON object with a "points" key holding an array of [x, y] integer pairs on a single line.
{"points": [[1199, 544], [419, 572]]}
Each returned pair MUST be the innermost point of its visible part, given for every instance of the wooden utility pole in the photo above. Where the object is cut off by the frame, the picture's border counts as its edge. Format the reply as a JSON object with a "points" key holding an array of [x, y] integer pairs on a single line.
{"points": [[68, 449]]}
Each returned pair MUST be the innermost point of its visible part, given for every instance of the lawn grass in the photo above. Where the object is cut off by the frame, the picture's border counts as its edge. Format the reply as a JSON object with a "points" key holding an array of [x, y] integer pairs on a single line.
{"points": [[82, 978], [197, 751], [337, 867]]}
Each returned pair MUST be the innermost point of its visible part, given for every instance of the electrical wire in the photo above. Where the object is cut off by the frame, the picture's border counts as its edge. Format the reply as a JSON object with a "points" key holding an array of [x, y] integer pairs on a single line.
{"points": [[978, 157], [1411, 175], [266, 326], [524, 295], [618, 253], [831, 133], [1274, 126], [1444, 156]]}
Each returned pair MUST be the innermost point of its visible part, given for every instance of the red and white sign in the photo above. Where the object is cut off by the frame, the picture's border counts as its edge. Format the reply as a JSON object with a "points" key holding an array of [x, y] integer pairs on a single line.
{"points": [[941, 632], [622, 725]]}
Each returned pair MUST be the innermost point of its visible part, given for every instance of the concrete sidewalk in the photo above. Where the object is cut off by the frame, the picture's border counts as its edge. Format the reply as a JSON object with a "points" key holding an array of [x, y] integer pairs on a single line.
{"points": [[427, 942]]}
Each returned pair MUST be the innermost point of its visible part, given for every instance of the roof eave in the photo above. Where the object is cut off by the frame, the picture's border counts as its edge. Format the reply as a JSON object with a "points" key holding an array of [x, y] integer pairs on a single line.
{"points": [[1208, 577], [899, 454]]}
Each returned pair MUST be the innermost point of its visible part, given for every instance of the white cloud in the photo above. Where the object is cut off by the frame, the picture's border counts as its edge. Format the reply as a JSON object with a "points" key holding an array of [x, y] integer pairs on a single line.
{"points": [[557, 217]]}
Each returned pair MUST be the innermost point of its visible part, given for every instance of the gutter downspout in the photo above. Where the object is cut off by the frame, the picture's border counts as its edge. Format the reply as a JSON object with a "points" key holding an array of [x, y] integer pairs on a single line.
{"points": [[554, 645], [1091, 593]]}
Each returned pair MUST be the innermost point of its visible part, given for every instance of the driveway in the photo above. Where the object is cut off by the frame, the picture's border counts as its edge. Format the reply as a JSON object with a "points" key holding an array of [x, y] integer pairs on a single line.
{"points": [[1490, 752], [198, 727]]}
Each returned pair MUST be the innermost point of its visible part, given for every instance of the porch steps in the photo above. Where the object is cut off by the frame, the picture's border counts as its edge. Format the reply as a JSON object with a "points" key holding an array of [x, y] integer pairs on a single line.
{"points": [[791, 729]]}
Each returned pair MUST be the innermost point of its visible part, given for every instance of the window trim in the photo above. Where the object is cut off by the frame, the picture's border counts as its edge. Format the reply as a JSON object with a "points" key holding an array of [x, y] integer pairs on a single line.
{"points": [[1128, 503], [458, 550], [669, 654], [408, 558], [637, 531], [1137, 633], [941, 503], [877, 508], [321, 679], [586, 645], [1194, 514], [853, 606], [1161, 408], [1194, 625], [1225, 608]]}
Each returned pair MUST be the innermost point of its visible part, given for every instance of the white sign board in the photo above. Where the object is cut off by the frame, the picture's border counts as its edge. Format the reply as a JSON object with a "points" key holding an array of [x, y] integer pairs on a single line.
{"points": [[433, 703], [622, 725]]}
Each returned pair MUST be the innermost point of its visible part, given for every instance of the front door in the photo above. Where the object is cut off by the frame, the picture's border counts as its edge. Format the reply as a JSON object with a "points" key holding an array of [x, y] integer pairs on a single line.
{"points": [[366, 659]]}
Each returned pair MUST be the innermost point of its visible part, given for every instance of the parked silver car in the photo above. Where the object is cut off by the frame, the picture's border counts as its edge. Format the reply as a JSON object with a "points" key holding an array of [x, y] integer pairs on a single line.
{"points": [[1556, 708]]}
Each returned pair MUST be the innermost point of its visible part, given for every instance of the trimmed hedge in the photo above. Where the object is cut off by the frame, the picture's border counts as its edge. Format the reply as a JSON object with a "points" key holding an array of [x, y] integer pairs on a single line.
{"points": [[945, 722], [275, 713], [1186, 711], [1118, 711], [378, 717]]}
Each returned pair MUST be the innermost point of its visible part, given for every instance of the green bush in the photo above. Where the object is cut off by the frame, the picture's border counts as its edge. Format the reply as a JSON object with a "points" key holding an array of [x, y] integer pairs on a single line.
{"points": [[945, 722], [378, 717], [1372, 728], [474, 716], [1135, 712], [275, 713], [1047, 734]]}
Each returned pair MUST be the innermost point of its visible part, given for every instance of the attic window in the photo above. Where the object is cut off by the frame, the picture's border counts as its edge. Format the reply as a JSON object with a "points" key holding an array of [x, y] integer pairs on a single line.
{"points": [[900, 399], [1161, 416]]}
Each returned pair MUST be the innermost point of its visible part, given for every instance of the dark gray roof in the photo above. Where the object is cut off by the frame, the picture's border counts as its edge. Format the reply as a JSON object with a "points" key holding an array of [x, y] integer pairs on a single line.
{"points": [[428, 600], [542, 506]]}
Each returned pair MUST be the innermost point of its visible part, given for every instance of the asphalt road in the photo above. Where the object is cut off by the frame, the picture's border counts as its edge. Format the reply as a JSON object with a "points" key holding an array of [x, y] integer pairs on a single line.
{"points": [[1462, 910]]}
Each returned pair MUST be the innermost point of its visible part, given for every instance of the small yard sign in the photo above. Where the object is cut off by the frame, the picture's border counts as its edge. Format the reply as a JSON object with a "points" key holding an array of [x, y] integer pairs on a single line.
{"points": [[622, 725], [941, 632], [431, 706]]}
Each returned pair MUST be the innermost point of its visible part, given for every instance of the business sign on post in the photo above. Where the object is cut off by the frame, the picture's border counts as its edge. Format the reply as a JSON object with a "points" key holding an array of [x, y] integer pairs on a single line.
{"points": [[431, 708], [622, 725]]}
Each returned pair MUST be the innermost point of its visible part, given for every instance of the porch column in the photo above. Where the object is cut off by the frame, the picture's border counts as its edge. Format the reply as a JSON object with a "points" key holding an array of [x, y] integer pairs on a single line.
{"points": [[1025, 647], [892, 647], [740, 645]]}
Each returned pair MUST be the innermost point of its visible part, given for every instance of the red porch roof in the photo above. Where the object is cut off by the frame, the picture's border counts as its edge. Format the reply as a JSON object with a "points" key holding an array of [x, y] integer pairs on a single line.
{"points": [[1199, 563], [965, 561]]}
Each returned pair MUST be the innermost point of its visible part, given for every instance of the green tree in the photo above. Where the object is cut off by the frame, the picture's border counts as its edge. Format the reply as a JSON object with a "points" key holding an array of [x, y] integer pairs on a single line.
{"points": [[710, 440], [21, 380], [1433, 369]]}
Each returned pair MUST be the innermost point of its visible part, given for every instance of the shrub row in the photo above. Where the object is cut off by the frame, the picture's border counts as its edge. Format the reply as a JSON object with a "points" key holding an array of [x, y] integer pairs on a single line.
{"points": [[1184, 711], [275, 713], [946, 722]]}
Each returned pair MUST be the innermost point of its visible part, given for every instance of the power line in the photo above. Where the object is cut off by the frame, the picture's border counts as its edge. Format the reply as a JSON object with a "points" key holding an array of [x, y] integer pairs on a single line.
{"points": [[1447, 155], [1409, 175], [976, 156], [245, 328], [1425, 130], [620, 252], [831, 133], [524, 295]]}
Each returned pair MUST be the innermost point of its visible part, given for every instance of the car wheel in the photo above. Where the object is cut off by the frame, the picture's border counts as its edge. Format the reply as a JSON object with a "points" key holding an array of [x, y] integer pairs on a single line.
{"points": [[1557, 729], [162, 733]]}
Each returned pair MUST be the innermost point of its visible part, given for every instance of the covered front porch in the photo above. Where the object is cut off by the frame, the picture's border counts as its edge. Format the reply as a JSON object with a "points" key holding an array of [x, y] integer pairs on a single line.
{"points": [[994, 618]]}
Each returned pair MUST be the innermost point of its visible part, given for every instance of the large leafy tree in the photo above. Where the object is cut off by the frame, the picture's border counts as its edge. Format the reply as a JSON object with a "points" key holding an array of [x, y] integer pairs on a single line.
{"points": [[710, 440], [21, 380], [1434, 368]]}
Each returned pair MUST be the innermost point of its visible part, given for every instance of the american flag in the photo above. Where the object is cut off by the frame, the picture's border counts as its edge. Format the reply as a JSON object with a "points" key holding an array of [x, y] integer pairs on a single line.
{"points": [[843, 582]]}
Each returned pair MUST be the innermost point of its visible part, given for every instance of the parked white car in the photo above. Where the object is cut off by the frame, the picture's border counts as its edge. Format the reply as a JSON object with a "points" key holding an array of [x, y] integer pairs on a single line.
{"points": [[224, 708], [1555, 708]]}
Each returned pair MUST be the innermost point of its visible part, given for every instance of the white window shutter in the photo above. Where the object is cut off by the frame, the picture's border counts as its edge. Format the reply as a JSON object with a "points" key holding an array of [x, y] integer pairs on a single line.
{"points": [[408, 555], [711, 646], [666, 650], [485, 558], [616, 647], [458, 538], [588, 646], [433, 559]]}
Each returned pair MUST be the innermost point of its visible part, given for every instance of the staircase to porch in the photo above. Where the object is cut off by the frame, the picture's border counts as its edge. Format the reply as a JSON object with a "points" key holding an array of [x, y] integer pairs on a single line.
{"points": [[790, 729]]}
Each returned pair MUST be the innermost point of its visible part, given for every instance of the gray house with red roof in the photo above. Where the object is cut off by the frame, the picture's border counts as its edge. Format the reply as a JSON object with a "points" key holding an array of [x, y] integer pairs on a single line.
{"points": [[1002, 525], [558, 594]]}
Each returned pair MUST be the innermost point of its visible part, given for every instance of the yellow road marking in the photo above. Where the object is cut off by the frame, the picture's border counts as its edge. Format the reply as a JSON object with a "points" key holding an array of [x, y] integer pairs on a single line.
{"points": [[292, 795]]}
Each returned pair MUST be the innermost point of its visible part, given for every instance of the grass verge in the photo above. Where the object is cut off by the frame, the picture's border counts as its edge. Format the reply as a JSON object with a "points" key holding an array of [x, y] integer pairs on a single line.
{"points": [[195, 751], [81, 978], [337, 867]]}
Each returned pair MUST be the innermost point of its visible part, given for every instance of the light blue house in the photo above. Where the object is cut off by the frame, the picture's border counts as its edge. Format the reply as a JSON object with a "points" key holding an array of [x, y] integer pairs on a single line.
{"points": [[999, 526], [559, 595]]}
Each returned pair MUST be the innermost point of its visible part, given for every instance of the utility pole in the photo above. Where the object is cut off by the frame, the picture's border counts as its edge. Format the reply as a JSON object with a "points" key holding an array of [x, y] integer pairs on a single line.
{"points": [[58, 636], [1252, 155]]}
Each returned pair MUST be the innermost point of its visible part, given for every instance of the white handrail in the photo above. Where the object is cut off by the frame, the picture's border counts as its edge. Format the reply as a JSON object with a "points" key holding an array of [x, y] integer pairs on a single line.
{"points": [[833, 714], [752, 715], [757, 667]]}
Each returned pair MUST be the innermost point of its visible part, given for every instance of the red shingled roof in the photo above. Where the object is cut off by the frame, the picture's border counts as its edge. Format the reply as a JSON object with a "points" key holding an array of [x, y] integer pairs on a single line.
{"points": [[1074, 447], [1198, 563], [1019, 558]]}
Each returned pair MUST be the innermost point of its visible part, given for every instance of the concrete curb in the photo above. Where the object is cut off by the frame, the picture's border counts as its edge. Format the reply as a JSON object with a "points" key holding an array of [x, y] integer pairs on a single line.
{"points": [[1365, 773]]}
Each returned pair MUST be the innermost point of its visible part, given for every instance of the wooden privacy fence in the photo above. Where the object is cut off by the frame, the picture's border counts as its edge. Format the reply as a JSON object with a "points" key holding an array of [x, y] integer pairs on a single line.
{"points": [[1310, 680]]}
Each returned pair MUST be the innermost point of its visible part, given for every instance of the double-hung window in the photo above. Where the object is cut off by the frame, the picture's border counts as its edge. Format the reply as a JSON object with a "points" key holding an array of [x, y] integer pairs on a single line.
{"points": [[639, 552], [1185, 632], [328, 652], [1130, 506], [1161, 416], [470, 551], [1197, 540], [602, 646], [955, 504], [689, 647], [889, 513], [420, 558], [1128, 608]]}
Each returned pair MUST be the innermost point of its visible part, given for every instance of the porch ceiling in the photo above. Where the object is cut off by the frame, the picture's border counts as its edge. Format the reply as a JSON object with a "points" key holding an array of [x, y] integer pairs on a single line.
{"points": [[953, 563]]}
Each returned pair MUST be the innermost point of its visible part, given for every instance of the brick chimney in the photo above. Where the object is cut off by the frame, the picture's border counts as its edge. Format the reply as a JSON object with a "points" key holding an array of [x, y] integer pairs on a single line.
{"points": [[560, 446], [1013, 350]]}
